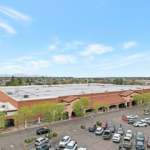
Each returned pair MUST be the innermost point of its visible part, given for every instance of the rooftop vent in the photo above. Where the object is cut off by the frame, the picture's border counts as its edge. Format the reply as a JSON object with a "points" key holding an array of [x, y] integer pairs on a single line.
{"points": [[25, 96], [48, 91], [9, 93], [3, 106], [37, 89]]}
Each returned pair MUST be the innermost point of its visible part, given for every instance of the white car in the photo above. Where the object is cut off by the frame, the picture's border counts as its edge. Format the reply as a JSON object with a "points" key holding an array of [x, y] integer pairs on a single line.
{"points": [[41, 141], [132, 116], [81, 148], [99, 131], [145, 120], [116, 138], [146, 112], [65, 140], [129, 134], [140, 124], [72, 145]]}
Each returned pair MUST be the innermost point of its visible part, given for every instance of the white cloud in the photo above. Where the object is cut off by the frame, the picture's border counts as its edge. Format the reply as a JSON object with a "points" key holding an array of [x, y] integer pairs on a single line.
{"points": [[72, 45], [96, 49], [39, 64], [24, 58], [14, 14], [52, 47], [129, 44], [63, 59], [8, 28], [115, 66]]}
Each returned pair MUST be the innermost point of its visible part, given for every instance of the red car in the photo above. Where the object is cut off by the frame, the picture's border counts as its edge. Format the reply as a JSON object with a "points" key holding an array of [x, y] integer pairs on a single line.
{"points": [[148, 142], [104, 125]]}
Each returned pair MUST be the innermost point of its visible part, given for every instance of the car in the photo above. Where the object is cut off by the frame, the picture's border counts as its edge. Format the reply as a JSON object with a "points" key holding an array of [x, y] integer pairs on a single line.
{"points": [[145, 120], [148, 142], [131, 121], [72, 145], [42, 131], [64, 141], [120, 131], [139, 136], [104, 125], [132, 117], [116, 138], [45, 146], [140, 124], [112, 128], [41, 141], [146, 112], [92, 128], [140, 145], [99, 131], [81, 148], [107, 134], [129, 134]]}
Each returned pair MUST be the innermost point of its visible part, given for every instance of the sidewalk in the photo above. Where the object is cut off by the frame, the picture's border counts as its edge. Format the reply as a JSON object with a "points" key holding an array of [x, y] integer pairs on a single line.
{"points": [[20, 128]]}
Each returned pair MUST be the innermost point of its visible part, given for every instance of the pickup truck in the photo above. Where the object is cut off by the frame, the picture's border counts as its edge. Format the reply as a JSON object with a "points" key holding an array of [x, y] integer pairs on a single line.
{"points": [[107, 134], [127, 142]]}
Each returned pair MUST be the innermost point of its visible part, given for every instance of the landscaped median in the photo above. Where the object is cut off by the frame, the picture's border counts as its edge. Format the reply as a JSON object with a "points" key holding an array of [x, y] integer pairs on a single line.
{"points": [[30, 142]]}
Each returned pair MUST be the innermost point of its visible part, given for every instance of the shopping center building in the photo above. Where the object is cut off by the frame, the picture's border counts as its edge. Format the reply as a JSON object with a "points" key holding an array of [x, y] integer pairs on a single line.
{"points": [[116, 96]]}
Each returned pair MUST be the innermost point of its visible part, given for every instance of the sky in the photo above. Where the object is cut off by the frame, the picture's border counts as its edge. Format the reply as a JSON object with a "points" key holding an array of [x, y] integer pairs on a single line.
{"points": [[80, 38]]}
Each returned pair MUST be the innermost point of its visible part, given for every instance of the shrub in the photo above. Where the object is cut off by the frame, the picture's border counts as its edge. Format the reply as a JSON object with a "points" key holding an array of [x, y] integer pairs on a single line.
{"points": [[98, 123], [25, 140], [48, 135], [82, 127], [54, 134], [29, 140]]}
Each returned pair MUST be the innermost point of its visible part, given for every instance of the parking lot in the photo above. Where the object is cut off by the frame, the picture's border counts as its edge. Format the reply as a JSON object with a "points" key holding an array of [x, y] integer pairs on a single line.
{"points": [[83, 137]]}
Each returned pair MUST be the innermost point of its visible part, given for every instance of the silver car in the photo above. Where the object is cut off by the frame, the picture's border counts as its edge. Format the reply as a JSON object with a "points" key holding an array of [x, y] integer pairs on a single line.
{"points": [[41, 141], [99, 131]]}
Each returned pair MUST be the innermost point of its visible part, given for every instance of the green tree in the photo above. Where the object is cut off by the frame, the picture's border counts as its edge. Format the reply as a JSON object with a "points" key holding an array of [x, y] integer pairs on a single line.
{"points": [[80, 106], [15, 83], [60, 111], [48, 112], [142, 100], [12, 80], [19, 81], [3, 121], [98, 105]]}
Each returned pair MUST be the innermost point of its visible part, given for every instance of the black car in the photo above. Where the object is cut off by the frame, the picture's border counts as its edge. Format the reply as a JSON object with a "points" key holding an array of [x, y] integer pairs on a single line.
{"points": [[42, 131], [92, 128], [139, 136], [140, 145], [131, 121], [112, 128]]}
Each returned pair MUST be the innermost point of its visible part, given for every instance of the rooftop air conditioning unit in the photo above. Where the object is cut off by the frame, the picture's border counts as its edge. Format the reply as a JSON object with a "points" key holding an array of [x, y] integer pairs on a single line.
{"points": [[37, 89], [3, 106], [25, 96], [48, 91]]}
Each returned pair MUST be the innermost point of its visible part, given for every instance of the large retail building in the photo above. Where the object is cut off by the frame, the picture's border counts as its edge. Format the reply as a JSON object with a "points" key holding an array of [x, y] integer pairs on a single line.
{"points": [[116, 96]]}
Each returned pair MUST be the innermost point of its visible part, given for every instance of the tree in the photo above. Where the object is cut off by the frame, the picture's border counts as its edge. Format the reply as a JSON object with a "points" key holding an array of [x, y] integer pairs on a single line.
{"points": [[23, 117], [19, 81], [80, 106], [142, 100], [3, 121], [48, 113], [15, 83], [12, 80], [98, 105], [60, 111]]}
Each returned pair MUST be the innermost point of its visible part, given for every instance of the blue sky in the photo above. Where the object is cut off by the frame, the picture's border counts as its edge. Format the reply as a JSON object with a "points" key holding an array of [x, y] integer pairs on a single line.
{"points": [[81, 38]]}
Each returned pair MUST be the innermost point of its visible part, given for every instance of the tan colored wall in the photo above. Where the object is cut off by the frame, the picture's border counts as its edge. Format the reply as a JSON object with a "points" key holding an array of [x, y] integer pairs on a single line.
{"points": [[128, 97]]}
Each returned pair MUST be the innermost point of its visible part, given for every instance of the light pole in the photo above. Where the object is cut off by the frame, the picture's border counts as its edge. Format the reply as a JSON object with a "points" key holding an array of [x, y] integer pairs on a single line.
{"points": [[92, 107]]}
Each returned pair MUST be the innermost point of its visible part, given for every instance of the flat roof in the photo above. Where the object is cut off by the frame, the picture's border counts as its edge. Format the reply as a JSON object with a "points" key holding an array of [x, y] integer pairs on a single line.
{"points": [[7, 107], [54, 91]]}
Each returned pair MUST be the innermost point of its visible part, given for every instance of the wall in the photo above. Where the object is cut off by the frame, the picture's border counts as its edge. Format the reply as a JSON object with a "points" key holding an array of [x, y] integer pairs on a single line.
{"points": [[4, 97]]}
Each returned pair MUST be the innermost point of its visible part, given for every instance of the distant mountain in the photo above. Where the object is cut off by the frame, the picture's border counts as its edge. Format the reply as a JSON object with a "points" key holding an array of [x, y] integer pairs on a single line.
{"points": [[22, 75]]}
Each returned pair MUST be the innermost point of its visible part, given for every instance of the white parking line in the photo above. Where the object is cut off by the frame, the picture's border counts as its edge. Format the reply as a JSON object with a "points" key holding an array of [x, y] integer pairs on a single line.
{"points": [[74, 130]]}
